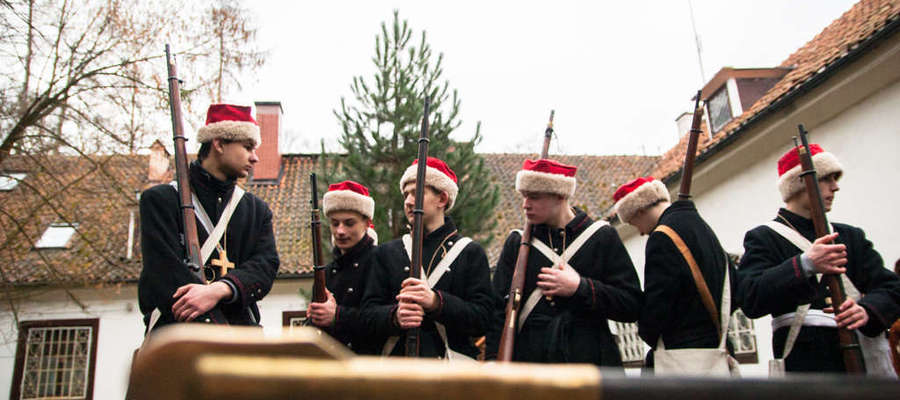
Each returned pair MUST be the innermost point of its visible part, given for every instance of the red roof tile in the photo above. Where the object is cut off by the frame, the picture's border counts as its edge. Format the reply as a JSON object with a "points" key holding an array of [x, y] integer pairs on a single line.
{"points": [[98, 195], [831, 46]]}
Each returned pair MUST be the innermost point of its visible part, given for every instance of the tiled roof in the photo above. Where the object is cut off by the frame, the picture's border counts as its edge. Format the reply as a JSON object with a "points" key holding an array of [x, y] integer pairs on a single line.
{"points": [[98, 194], [673, 159], [289, 201], [837, 43]]}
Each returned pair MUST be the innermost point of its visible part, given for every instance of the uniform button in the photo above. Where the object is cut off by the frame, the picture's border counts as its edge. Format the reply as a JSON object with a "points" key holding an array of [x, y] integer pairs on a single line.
{"points": [[258, 290], [406, 268], [355, 265], [334, 271], [450, 244], [555, 249], [349, 290], [207, 320]]}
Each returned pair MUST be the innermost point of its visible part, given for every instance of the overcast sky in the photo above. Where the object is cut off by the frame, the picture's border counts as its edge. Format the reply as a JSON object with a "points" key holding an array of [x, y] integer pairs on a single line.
{"points": [[617, 73]]}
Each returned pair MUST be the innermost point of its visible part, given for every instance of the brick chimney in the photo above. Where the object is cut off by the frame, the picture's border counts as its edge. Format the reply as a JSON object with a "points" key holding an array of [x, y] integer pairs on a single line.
{"points": [[268, 115], [684, 123], [158, 165]]}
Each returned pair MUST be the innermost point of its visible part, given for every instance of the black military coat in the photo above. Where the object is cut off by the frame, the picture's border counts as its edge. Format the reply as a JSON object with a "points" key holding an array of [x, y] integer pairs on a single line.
{"points": [[772, 282], [250, 244], [345, 279], [571, 329], [467, 301], [672, 304]]}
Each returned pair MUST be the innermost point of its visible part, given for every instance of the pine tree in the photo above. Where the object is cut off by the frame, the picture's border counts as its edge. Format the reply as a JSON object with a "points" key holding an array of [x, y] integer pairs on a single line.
{"points": [[381, 130]]}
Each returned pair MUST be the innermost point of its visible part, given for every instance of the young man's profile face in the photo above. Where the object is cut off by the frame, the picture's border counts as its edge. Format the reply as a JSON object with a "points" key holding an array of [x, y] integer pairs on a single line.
{"points": [[828, 186], [236, 159], [541, 207]]}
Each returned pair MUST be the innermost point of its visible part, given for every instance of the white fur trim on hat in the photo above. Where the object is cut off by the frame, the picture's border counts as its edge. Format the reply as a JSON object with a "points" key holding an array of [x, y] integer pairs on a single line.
{"points": [[642, 197], [372, 234], [544, 182], [434, 178], [230, 130], [790, 182], [348, 200]]}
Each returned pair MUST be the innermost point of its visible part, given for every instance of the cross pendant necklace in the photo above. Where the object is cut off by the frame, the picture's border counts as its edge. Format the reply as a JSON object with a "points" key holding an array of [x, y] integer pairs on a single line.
{"points": [[222, 262]]}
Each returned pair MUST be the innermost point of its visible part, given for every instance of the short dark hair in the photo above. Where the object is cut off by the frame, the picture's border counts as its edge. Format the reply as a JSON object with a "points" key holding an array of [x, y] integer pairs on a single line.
{"points": [[204, 150]]}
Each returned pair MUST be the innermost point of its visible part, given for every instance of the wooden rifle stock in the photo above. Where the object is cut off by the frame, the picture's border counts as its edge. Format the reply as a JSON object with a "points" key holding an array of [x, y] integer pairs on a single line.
{"points": [[315, 227], [517, 284], [687, 172], [191, 240], [415, 265], [849, 343]]}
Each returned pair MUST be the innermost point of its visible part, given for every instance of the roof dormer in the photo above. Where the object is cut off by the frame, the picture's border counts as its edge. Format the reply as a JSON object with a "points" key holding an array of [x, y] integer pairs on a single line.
{"points": [[734, 90]]}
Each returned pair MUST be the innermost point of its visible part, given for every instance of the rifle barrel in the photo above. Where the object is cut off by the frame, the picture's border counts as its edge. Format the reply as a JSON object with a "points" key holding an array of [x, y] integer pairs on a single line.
{"points": [[849, 342], [318, 295], [415, 267], [517, 283], [687, 174], [191, 240]]}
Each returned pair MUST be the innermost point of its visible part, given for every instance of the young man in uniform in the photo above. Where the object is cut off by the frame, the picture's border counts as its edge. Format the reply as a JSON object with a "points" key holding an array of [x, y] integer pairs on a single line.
{"points": [[349, 209], [241, 262], [778, 276], [453, 303], [578, 276], [673, 307]]}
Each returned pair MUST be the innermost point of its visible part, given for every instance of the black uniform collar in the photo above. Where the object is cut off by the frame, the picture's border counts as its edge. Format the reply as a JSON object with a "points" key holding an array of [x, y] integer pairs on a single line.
{"points": [[203, 181], [801, 224], [680, 205], [573, 228], [342, 259], [441, 233]]}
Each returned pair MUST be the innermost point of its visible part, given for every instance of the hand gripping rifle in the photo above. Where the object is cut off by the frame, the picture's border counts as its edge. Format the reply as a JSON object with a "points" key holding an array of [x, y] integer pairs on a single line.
{"points": [[849, 343], [192, 243], [687, 172], [318, 293], [415, 265], [517, 284]]}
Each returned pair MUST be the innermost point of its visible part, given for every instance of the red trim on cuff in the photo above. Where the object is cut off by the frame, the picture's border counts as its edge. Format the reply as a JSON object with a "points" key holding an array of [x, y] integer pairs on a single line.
{"points": [[798, 270], [593, 293], [337, 311], [242, 291]]}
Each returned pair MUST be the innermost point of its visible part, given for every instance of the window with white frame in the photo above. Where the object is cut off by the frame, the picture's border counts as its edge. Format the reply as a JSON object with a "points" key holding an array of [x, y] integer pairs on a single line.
{"points": [[719, 108], [57, 236], [631, 347], [742, 334], [8, 181], [55, 359], [290, 319]]}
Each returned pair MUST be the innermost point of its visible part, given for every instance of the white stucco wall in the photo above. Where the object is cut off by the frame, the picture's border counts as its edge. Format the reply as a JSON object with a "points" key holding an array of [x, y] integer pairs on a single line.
{"points": [[120, 329], [855, 116]]}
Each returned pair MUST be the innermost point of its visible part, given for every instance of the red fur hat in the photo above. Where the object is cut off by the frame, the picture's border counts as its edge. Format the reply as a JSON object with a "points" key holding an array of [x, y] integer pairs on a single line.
{"points": [[437, 175], [229, 122], [789, 182], [546, 176], [637, 195]]}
